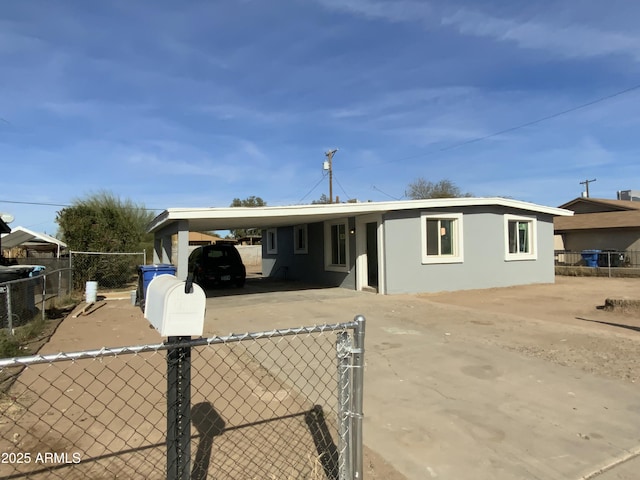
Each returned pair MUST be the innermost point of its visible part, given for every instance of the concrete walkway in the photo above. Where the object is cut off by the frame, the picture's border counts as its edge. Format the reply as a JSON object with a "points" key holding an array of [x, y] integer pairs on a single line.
{"points": [[446, 397]]}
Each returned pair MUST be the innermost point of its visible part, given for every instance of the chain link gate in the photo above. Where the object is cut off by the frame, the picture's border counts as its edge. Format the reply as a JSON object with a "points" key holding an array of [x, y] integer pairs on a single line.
{"points": [[281, 404]]}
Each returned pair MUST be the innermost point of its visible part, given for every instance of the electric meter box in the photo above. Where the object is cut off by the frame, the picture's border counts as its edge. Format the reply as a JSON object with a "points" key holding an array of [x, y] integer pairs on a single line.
{"points": [[171, 311]]}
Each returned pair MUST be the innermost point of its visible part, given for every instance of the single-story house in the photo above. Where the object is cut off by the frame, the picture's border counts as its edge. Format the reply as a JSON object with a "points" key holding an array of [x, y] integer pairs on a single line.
{"points": [[389, 247], [599, 224]]}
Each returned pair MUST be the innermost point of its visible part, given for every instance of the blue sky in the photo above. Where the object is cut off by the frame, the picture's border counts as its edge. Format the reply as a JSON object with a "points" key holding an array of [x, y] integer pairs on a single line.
{"points": [[190, 104]]}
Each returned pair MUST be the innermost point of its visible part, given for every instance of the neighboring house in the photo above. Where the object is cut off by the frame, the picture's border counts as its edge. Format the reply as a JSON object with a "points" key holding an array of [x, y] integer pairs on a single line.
{"points": [[389, 247], [599, 224], [250, 240], [25, 243], [197, 239]]}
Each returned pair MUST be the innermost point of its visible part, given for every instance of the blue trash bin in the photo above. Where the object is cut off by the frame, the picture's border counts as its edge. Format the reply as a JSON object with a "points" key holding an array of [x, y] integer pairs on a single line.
{"points": [[590, 257], [146, 273]]}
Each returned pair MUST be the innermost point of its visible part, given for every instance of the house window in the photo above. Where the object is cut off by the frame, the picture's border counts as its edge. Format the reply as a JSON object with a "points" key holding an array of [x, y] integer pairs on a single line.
{"points": [[336, 246], [520, 238], [272, 241], [300, 244], [441, 238]]}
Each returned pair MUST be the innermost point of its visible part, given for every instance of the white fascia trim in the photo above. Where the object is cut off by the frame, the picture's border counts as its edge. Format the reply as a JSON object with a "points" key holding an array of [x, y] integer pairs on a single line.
{"points": [[260, 216]]}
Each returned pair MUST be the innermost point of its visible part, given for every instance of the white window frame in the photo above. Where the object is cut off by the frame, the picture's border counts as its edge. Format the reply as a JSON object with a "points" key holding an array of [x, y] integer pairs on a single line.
{"points": [[458, 238], [272, 241], [532, 254], [305, 248], [328, 251]]}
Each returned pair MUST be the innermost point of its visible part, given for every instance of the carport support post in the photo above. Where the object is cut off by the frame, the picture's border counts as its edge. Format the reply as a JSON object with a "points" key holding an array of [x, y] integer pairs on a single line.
{"points": [[178, 410]]}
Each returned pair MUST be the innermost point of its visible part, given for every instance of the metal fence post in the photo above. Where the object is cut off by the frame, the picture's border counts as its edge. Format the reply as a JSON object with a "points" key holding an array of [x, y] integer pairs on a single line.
{"points": [[358, 390], [59, 284], [3, 291], [178, 410], [9, 311], [343, 348], [70, 272], [44, 295]]}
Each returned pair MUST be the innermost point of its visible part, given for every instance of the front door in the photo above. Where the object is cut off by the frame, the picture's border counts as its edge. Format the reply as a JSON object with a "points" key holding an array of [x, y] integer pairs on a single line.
{"points": [[369, 274], [372, 254]]}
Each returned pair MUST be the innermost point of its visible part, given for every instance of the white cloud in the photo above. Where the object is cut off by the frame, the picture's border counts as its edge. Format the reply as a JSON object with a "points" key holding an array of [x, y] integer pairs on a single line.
{"points": [[569, 40], [402, 101], [395, 10]]}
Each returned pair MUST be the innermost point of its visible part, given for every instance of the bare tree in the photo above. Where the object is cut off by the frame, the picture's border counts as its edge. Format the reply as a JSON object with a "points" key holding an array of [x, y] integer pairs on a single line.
{"points": [[421, 188], [251, 201]]}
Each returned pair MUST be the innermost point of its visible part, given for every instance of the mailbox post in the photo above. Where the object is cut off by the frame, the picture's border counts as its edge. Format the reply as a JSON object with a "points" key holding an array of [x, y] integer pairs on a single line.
{"points": [[176, 309], [178, 410]]}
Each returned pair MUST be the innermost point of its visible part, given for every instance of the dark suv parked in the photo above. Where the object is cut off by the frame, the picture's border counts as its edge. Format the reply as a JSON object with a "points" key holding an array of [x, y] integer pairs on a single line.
{"points": [[217, 264]]}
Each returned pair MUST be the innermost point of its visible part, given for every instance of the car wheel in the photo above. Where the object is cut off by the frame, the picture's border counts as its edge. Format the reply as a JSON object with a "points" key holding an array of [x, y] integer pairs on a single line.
{"points": [[240, 283]]}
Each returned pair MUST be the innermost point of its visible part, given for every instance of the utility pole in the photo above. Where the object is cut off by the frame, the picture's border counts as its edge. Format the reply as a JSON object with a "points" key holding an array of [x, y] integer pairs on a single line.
{"points": [[328, 165], [586, 183]]}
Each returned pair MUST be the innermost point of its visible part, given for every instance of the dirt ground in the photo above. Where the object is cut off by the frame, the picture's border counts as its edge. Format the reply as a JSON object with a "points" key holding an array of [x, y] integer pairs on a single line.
{"points": [[570, 327], [110, 412], [489, 384]]}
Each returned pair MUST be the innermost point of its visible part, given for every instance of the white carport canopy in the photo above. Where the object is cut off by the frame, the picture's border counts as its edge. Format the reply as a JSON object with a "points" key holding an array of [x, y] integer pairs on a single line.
{"points": [[21, 236], [182, 220]]}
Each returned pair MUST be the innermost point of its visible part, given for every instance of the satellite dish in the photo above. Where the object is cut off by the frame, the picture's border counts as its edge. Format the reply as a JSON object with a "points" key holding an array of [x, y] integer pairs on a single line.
{"points": [[7, 218]]}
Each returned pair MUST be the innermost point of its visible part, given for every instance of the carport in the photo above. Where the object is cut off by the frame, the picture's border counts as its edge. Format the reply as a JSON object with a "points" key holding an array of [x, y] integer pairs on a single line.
{"points": [[179, 221], [21, 236]]}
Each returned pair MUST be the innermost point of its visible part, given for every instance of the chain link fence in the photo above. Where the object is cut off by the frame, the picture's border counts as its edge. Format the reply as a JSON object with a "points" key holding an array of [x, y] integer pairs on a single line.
{"points": [[26, 299], [602, 258], [283, 404], [110, 270]]}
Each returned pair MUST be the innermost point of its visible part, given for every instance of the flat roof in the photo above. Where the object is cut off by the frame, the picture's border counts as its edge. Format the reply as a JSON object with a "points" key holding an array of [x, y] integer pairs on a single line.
{"points": [[231, 218]]}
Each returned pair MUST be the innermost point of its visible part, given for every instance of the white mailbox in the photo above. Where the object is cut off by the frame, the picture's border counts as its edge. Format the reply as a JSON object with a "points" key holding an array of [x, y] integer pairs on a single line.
{"points": [[173, 312]]}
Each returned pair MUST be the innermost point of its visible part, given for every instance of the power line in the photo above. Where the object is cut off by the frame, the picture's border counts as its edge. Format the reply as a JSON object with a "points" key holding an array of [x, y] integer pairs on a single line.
{"points": [[385, 193], [510, 129], [349, 197], [36, 203], [43, 204], [313, 188]]}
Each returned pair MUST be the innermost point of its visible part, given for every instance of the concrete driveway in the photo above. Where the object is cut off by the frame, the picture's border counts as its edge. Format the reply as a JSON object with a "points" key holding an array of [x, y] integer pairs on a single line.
{"points": [[453, 391]]}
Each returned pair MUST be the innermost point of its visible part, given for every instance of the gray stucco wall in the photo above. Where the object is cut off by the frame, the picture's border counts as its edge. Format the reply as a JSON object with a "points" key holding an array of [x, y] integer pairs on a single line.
{"points": [[309, 267], [484, 263]]}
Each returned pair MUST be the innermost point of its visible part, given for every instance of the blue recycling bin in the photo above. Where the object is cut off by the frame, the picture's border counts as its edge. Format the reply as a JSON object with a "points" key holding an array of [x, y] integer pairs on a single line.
{"points": [[590, 257], [146, 273]]}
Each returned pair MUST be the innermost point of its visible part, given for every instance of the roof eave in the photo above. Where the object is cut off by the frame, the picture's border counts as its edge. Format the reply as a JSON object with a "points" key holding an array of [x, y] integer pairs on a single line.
{"points": [[282, 213]]}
